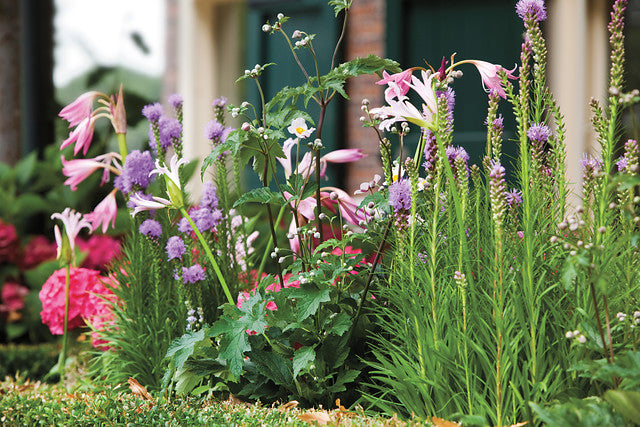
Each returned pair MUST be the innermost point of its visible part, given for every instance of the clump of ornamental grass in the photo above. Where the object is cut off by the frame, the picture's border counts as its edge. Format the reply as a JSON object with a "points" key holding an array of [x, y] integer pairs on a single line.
{"points": [[478, 291]]}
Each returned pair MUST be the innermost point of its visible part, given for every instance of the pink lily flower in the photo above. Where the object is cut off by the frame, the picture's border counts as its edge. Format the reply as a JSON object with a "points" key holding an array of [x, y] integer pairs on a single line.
{"points": [[402, 110], [142, 204], [490, 77], [77, 170], [306, 167], [73, 222], [286, 162], [401, 79], [104, 213], [79, 109], [81, 136]]}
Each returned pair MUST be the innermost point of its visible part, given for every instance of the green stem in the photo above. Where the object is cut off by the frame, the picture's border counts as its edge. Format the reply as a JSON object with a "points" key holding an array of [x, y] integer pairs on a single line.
{"points": [[122, 144], [268, 248], [63, 354], [207, 250]]}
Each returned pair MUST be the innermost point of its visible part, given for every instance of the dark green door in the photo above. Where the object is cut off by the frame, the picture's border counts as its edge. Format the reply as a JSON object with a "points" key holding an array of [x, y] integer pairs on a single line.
{"points": [[489, 30], [313, 17]]}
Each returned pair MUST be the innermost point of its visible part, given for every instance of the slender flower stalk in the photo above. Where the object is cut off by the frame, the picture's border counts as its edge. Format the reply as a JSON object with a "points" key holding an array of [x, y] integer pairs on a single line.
{"points": [[207, 250]]}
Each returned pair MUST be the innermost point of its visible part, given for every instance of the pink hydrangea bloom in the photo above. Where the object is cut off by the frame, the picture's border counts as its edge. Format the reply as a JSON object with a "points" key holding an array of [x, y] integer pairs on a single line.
{"points": [[82, 281], [101, 248], [102, 301], [38, 250], [13, 295]]}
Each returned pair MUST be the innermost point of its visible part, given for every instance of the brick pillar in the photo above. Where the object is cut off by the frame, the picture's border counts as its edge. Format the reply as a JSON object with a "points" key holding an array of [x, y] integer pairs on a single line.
{"points": [[365, 36]]}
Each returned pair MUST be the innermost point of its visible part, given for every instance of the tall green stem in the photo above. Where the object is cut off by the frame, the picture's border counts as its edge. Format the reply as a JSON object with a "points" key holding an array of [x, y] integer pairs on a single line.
{"points": [[63, 355], [122, 145], [207, 250]]}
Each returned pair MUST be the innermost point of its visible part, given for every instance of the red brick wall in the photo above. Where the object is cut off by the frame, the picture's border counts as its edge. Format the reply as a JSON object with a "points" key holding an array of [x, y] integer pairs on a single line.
{"points": [[365, 36]]}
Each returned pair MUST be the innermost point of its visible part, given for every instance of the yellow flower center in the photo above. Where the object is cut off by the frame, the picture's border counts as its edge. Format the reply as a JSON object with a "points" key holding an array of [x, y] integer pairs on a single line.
{"points": [[299, 129]]}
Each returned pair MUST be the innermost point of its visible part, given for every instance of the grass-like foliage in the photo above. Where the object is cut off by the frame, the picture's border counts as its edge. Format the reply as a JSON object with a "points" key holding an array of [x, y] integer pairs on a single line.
{"points": [[148, 316]]}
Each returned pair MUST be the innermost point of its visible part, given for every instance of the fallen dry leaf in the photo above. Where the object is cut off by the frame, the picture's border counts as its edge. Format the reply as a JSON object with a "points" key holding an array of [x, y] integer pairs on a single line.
{"points": [[520, 424], [322, 418], [439, 422], [138, 389], [232, 400], [289, 405]]}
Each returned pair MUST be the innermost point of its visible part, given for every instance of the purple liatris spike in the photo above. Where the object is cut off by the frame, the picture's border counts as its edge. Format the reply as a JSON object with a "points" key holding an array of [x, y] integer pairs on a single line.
{"points": [[632, 154], [151, 228], [176, 100], [170, 130], [153, 112], [219, 102], [539, 133], [430, 152], [400, 201], [497, 192], [535, 8], [400, 195], [209, 197], [193, 274], [514, 197], [135, 174], [175, 247], [622, 164]]}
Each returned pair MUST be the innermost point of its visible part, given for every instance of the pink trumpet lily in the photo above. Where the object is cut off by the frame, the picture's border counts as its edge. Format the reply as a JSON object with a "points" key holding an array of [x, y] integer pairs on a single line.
{"points": [[104, 213], [400, 109], [142, 204], [307, 167], [77, 170], [490, 75], [73, 223], [81, 136], [401, 79], [79, 109]]}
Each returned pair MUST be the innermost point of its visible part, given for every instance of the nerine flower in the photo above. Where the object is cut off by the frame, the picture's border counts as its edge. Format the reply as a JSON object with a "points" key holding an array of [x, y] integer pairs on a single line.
{"points": [[104, 213], [401, 79], [77, 170], [73, 224], [80, 114], [172, 179], [490, 75], [400, 109]]}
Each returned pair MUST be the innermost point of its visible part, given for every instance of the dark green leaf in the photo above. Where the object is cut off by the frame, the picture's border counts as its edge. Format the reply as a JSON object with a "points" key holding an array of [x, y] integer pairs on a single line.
{"points": [[302, 358], [261, 195], [308, 297], [627, 402], [183, 347]]}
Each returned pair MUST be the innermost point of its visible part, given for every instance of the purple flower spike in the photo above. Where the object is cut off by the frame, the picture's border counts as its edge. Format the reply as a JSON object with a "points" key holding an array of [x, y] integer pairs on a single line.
{"points": [[176, 100], [153, 112], [209, 196], [214, 130], [151, 228], [539, 133], [193, 274], [219, 102], [170, 129], [534, 7], [175, 247], [400, 195]]}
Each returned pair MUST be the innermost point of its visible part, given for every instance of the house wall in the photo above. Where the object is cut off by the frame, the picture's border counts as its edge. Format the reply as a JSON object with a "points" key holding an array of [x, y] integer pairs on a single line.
{"points": [[209, 57]]}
